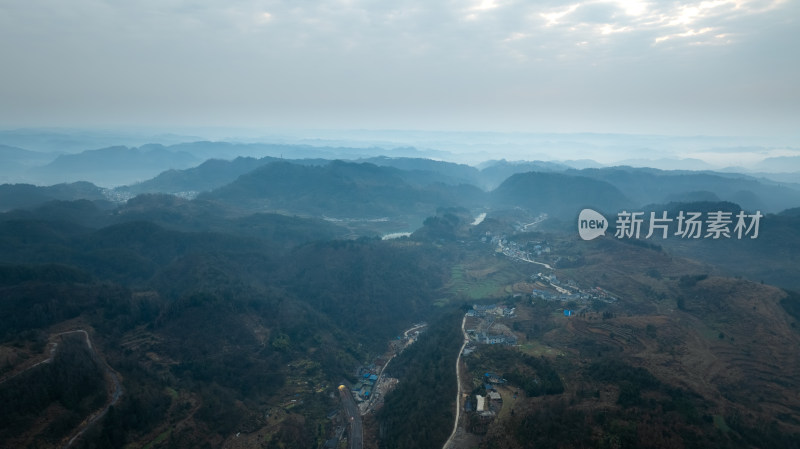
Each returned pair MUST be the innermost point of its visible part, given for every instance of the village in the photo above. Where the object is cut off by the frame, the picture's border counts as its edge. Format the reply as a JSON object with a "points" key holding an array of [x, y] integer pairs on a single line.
{"points": [[492, 325], [485, 325], [367, 393], [482, 326], [372, 385], [548, 286]]}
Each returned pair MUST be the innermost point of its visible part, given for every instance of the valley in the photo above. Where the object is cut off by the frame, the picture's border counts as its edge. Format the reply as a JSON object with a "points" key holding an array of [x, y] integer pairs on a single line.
{"points": [[688, 353], [268, 311], [351, 224]]}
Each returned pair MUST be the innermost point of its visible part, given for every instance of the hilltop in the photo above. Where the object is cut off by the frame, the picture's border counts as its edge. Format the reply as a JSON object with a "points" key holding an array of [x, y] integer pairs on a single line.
{"points": [[234, 297]]}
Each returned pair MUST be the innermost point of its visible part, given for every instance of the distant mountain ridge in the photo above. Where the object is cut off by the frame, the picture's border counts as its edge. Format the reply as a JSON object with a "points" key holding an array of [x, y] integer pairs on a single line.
{"points": [[648, 185], [15, 162], [383, 186], [209, 175], [493, 173], [11, 153], [558, 194], [339, 189], [115, 166], [17, 196], [427, 171], [779, 164]]}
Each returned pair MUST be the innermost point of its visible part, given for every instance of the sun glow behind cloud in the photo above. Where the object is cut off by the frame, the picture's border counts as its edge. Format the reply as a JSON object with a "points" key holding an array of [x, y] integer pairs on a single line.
{"points": [[699, 21], [554, 18], [632, 7], [480, 7]]}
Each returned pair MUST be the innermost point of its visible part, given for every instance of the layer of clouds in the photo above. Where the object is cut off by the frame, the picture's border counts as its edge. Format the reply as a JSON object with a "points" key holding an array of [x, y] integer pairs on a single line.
{"points": [[712, 66]]}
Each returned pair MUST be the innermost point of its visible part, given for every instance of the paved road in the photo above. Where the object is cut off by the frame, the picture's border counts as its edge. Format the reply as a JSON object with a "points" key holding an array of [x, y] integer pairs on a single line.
{"points": [[416, 327], [458, 381], [351, 410]]}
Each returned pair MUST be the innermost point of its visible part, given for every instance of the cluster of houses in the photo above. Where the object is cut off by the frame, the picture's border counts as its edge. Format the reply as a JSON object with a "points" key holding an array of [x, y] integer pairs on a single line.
{"points": [[490, 312], [515, 250], [487, 339], [569, 291], [487, 406], [492, 309], [539, 248], [367, 378], [499, 339]]}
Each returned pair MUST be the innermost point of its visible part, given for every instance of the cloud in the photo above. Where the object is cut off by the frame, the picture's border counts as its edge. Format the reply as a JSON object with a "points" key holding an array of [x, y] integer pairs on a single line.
{"points": [[492, 62], [557, 16]]}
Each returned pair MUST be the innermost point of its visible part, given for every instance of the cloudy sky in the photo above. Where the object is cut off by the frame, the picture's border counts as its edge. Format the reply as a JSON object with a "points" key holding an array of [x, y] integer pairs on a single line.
{"points": [[718, 67]]}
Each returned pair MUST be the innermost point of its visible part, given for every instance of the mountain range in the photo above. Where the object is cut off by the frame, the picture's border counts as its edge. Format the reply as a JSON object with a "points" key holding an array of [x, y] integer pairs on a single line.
{"points": [[222, 304]]}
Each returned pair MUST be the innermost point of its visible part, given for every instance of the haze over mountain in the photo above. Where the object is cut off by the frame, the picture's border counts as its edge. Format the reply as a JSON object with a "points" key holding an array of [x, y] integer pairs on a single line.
{"points": [[209, 175], [654, 186], [14, 196], [574, 150], [400, 225], [226, 301], [558, 194], [781, 164], [436, 183], [381, 195]]}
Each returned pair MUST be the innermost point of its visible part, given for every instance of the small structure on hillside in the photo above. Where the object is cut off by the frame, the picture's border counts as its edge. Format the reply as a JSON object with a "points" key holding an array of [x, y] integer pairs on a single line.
{"points": [[481, 403]]}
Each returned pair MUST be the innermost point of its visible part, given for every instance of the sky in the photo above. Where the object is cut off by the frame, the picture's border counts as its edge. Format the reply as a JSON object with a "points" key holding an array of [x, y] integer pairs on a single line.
{"points": [[713, 67]]}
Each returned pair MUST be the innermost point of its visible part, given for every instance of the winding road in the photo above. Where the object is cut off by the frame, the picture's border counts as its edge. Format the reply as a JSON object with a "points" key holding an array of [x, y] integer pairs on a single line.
{"points": [[458, 380], [368, 405], [110, 375], [115, 394]]}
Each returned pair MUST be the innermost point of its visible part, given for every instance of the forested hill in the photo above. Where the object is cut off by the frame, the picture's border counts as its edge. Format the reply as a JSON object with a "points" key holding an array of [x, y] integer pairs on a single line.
{"points": [[209, 329], [411, 189], [646, 185], [209, 175], [558, 194], [241, 311], [339, 189], [19, 196]]}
